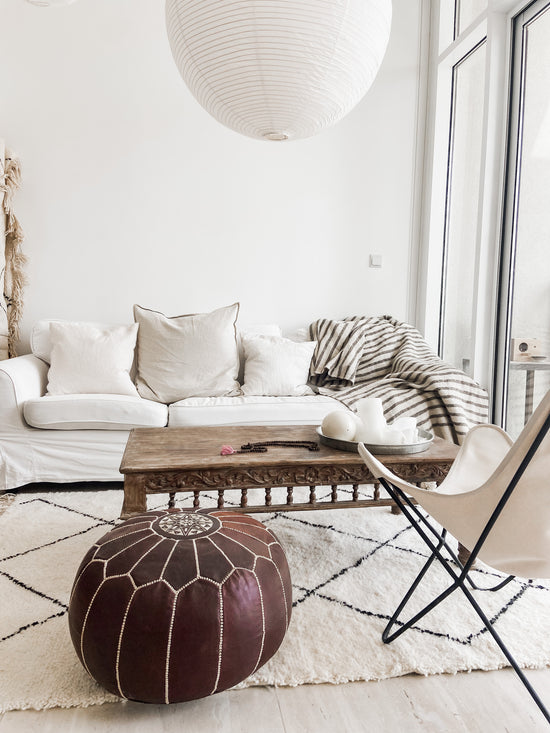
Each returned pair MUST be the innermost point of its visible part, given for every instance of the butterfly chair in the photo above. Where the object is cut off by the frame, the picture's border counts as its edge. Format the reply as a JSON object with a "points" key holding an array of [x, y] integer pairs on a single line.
{"points": [[495, 501]]}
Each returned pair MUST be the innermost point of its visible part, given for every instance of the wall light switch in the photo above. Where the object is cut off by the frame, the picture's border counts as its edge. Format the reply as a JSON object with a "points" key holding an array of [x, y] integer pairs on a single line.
{"points": [[375, 261]]}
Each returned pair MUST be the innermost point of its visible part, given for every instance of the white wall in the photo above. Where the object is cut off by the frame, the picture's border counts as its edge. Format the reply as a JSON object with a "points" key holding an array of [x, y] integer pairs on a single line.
{"points": [[133, 193]]}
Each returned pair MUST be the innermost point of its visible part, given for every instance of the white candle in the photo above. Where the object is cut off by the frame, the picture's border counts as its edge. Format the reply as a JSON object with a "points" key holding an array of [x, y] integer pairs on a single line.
{"points": [[375, 431], [407, 425], [371, 414]]}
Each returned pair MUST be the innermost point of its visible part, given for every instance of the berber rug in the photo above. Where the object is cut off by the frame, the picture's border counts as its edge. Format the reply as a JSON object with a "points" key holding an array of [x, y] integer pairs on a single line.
{"points": [[349, 570]]}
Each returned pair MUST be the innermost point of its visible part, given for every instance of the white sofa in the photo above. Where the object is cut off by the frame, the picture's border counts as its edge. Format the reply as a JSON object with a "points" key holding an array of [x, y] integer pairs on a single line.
{"points": [[75, 438]]}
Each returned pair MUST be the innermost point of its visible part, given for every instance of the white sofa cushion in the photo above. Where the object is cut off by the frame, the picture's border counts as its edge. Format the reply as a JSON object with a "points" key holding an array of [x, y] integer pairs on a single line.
{"points": [[41, 345], [187, 356], [94, 412], [40, 339], [251, 410], [86, 359], [267, 329], [276, 366]]}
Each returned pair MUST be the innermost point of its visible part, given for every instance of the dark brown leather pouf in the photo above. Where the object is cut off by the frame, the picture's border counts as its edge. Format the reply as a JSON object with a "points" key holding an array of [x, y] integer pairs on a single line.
{"points": [[176, 605]]}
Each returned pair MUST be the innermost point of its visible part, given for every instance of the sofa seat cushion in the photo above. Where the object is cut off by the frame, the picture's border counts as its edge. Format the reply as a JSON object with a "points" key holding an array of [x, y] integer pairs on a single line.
{"points": [[251, 410], [94, 412]]}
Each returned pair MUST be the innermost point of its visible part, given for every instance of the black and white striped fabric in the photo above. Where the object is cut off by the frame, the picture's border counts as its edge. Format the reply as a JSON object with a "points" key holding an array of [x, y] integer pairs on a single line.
{"points": [[380, 356]]}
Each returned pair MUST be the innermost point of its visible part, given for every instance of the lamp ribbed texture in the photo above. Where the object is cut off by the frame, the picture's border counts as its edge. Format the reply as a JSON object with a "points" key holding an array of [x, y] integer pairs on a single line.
{"points": [[278, 69]]}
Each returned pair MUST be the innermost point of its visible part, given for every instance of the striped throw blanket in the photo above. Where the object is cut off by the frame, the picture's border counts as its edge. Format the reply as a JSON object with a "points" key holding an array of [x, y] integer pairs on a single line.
{"points": [[382, 357]]}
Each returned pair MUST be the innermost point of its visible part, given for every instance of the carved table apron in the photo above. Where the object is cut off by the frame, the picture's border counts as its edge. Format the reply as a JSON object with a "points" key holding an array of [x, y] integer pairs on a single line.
{"points": [[169, 460]]}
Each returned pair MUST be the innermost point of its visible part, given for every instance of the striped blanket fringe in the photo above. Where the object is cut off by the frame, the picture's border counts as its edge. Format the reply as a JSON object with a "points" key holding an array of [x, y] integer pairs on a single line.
{"points": [[379, 356]]}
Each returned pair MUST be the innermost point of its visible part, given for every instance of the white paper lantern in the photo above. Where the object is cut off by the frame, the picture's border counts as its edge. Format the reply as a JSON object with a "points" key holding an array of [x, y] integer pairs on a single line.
{"points": [[278, 69]]}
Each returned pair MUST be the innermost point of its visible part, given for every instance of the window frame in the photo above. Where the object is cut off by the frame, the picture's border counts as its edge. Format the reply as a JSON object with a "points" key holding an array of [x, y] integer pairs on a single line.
{"points": [[448, 194], [495, 25], [520, 21]]}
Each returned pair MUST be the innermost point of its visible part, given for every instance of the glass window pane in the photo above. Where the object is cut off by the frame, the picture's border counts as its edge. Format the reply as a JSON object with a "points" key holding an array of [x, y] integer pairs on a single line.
{"points": [[529, 378], [466, 11], [462, 209]]}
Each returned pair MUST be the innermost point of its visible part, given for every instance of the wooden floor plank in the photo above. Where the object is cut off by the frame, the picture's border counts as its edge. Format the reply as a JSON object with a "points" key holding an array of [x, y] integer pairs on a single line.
{"points": [[480, 702]]}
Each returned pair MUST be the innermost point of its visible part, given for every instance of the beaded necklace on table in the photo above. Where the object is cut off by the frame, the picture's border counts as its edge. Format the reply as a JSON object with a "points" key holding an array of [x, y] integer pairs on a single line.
{"points": [[262, 446]]}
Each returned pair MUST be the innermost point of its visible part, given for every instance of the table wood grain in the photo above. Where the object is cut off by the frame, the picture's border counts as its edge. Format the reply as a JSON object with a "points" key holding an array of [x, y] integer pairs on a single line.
{"points": [[170, 460]]}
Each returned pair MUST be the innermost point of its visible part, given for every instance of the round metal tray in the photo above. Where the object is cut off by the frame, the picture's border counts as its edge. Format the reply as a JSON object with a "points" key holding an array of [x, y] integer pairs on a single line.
{"points": [[388, 450]]}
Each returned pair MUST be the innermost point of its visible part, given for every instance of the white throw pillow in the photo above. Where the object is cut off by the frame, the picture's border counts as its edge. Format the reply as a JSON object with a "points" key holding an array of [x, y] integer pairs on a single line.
{"points": [[187, 356], [269, 329], [276, 366], [87, 359], [41, 343]]}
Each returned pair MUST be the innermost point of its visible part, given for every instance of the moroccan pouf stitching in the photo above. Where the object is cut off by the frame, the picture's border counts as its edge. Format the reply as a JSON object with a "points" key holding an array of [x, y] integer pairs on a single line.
{"points": [[176, 605]]}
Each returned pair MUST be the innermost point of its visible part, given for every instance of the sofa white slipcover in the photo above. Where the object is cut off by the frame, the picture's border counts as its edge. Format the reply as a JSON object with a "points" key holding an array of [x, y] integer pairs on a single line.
{"points": [[76, 438]]}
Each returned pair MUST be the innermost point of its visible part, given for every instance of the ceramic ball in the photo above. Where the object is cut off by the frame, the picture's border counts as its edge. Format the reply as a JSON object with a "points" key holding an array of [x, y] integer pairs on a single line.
{"points": [[340, 425]]}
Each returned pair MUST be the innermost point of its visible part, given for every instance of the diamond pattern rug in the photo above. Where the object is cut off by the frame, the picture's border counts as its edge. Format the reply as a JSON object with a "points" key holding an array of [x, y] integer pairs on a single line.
{"points": [[349, 569]]}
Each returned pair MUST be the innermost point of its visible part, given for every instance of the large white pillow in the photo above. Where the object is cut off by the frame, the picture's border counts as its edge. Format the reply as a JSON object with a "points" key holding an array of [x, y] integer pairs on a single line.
{"points": [[187, 356], [88, 359], [41, 343], [276, 366]]}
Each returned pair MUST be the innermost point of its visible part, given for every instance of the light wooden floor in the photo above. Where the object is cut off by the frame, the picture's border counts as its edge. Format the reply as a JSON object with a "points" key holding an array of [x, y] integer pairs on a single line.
{"points": [[480, 702]]}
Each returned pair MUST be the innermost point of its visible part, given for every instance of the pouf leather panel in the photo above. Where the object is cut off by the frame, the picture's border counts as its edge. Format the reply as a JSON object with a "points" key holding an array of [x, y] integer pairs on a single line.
{"points": [[176, 605]]}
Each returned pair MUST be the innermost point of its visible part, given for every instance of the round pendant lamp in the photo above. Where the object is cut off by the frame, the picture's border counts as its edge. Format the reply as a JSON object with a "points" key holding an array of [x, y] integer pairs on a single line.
{"points": [[278, 69]]}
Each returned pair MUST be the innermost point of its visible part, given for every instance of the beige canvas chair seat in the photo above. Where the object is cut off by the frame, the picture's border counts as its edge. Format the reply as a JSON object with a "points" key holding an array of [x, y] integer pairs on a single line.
{"points": [[495, 501]]}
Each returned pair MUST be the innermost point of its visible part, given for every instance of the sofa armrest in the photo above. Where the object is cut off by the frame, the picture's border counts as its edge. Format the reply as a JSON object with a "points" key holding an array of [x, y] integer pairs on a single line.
{"points": [[21, 379]]}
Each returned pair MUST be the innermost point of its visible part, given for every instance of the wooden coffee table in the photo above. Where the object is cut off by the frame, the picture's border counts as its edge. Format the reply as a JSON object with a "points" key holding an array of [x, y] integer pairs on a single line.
{"points": [[169, 460]]}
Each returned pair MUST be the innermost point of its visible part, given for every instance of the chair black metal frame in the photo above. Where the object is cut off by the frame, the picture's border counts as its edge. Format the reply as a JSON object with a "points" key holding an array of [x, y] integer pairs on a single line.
{"points": [[458, 571]]}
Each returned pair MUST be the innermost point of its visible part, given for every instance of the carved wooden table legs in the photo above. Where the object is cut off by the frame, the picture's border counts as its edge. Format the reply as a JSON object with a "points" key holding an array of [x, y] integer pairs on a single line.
{"points": [[138, 486], [175, 460], [135, 497]]}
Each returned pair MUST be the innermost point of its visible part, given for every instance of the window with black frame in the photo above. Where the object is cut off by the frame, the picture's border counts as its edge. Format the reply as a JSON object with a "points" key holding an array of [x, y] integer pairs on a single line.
{"points": [[523, 354], [467, 11], [458, 286], [485, 282]]}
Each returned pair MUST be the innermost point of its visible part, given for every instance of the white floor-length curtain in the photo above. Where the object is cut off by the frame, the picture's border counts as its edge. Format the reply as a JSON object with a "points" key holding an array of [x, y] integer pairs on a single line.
{"points": [[12, 259]]}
